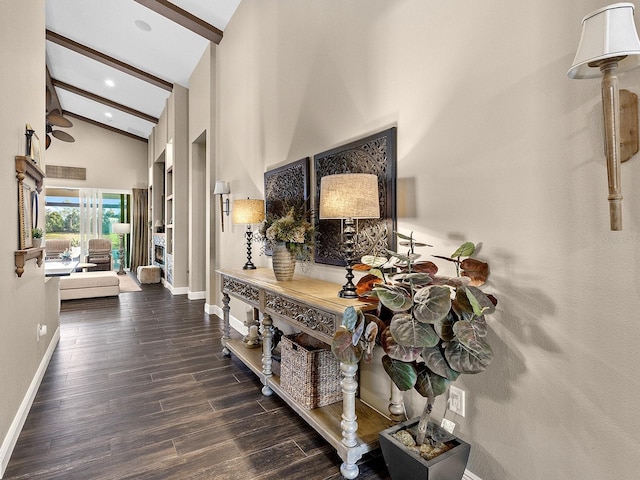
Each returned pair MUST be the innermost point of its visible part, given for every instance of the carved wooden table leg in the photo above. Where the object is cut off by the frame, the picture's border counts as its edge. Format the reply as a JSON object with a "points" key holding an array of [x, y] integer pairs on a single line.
{"points": [[396, 404], [349, 468], [226, 327], [267, 337]]}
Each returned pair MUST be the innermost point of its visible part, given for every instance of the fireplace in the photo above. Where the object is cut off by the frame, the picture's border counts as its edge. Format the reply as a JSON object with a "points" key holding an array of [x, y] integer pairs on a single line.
{"points": [[158, 254]]}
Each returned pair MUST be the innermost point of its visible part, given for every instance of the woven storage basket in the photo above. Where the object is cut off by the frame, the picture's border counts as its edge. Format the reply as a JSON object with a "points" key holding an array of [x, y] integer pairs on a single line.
{"points": [[309, 372]]}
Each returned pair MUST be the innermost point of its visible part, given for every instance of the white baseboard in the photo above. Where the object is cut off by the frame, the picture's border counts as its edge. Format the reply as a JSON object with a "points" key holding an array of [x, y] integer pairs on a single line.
{"points": [[177, 290], [233, 321], [9, 442], [197, 295], [470, 476]]}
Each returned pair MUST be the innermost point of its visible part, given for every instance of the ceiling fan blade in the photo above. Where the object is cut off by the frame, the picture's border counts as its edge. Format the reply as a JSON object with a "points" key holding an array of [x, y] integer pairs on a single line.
{"points": [[47, 141], [64, 136], [48, 97], [59, 120]]}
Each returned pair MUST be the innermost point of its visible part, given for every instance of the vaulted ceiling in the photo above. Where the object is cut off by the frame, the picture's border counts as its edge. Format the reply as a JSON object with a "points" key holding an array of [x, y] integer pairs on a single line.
{"points": [[114, 62]]}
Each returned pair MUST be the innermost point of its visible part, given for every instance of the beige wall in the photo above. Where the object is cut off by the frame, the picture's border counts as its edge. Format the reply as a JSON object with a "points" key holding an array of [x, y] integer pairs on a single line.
{"points": [[202, 157], [24, 301], [501, 148], [113, 161]]}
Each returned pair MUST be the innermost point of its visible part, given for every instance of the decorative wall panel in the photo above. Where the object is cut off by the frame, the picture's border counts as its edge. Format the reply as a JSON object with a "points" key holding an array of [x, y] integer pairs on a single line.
{"points": [[375, 154], [286, 187]]}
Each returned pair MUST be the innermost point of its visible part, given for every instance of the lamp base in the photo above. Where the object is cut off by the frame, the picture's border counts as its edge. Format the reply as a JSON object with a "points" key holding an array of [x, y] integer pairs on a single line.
{"points": [[121, 258], [249, 236], [348, 289], [347, 293]]}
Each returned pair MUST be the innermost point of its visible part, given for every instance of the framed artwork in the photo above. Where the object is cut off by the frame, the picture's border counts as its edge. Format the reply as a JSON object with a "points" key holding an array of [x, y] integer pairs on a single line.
{"points": [[375, 154], [35, 148], [286, 187], [32, 145]]}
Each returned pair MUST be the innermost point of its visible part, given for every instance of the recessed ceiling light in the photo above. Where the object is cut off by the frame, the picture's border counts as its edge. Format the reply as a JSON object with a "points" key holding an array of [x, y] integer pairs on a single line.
{"points": [[142, 25], [108, 114], [109, 83]]}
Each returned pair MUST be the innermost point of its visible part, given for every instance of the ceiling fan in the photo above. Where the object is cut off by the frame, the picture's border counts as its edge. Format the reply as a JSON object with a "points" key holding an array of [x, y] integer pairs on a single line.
{"points": [[54, 118], [57, 120]]}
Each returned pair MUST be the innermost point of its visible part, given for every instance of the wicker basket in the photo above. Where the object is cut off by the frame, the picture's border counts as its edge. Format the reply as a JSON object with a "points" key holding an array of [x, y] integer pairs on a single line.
{"points": [[309, 372]]}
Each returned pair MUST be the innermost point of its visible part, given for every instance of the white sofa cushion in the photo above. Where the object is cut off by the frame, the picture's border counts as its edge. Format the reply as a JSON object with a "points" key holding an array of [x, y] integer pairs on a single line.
{"points": [[89, 279]]}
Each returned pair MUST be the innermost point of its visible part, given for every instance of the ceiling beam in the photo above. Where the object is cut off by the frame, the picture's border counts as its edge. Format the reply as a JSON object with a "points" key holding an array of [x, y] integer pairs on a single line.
{"points": [[105, 126], [104, 101], [107, 60], [184, 18]]}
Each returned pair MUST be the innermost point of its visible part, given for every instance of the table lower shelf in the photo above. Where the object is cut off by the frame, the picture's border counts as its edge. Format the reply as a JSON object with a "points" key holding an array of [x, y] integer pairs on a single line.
{"points": [[325, 420]]}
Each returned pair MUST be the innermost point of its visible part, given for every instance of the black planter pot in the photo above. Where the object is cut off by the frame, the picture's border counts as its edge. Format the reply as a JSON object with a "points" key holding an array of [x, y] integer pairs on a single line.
{"points": [[404, 464]]}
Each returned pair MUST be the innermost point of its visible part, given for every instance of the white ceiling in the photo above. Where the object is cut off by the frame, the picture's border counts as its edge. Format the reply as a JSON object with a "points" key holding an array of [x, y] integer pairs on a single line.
{"points": [[168, 51]]}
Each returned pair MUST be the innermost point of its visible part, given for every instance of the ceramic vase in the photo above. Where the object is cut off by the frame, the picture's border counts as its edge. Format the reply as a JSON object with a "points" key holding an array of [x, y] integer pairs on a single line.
{"points": [[284, 262]]}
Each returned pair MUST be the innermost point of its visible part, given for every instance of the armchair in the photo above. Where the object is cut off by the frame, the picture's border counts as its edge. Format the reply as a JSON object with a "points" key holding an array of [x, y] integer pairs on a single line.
{"points": [[53, 248], [99, 252]]}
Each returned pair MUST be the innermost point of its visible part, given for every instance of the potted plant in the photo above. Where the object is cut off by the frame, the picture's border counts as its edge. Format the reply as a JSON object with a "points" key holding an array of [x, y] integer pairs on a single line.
{"points": [[432, 329], [37, 234], [289, 235]]}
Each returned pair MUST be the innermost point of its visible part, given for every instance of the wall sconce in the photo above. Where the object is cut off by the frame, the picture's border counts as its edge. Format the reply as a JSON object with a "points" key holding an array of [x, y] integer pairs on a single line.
{"points": [[609, 43], [222, 188], [347, 197], [248, 212]]}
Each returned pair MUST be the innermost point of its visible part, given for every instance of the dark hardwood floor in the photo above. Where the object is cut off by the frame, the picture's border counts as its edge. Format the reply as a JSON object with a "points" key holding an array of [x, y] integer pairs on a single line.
{"points": [[138, 389]]}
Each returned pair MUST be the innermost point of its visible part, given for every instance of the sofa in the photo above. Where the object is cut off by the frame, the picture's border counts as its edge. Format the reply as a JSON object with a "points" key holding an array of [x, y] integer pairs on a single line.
{"points": [[89, 285]]}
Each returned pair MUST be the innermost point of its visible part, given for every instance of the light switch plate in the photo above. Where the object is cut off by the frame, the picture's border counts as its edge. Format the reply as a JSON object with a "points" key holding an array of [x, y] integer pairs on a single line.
{"points": [[456, 400], [448, 425]]}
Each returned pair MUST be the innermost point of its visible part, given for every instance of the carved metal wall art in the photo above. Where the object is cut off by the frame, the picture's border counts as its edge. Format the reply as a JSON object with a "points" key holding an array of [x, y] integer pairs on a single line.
{"points": [[286, 187], [375, 154]]}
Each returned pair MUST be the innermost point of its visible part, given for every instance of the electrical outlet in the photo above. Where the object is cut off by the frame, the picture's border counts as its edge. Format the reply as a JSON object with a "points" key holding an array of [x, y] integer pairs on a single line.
{"points": [[41, 331], [456, 400]]}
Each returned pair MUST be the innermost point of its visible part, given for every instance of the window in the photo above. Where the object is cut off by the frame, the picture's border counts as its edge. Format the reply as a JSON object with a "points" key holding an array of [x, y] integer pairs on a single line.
{"points": [[81, 214]]}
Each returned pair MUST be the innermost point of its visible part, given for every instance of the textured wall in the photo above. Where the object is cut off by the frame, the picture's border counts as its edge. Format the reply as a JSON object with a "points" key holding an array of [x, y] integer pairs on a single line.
{"points": [[495, 145]]}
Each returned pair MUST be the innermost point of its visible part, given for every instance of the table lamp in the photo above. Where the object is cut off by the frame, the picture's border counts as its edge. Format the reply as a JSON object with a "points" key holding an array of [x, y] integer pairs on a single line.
{"points": [[248, 211], [348, 197]]}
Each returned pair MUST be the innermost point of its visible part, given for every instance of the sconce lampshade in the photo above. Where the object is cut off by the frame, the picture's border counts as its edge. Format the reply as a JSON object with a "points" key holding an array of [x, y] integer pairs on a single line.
{"points": [[607, 33], [221, 188], [158, 223], [248, 211], [121, 228], [349, 195]]}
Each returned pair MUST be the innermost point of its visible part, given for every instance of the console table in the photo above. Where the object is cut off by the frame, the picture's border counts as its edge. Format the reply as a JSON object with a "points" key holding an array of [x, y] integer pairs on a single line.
{"points": [[311, 306]]}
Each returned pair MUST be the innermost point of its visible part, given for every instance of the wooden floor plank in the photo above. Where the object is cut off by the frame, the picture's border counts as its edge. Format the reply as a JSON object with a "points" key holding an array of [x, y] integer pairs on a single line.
{"points": [[138, 389]]}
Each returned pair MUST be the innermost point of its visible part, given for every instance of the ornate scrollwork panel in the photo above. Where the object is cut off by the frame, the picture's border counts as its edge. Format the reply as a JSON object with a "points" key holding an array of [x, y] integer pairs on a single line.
{"points": [[241, 290], [375, 154], [313, 318]]}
